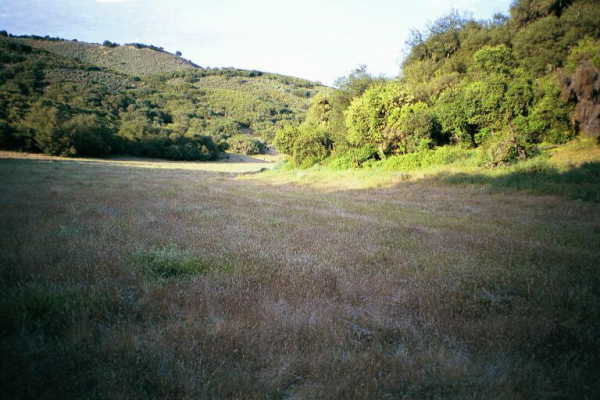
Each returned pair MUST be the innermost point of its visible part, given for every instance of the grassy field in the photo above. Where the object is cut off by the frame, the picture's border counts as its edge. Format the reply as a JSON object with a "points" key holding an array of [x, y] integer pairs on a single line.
{"points": [[167, 282]]}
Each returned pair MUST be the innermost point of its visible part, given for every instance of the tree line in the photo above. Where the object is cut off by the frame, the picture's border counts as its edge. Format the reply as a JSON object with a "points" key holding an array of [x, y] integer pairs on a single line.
{"points": [[498, 86]]}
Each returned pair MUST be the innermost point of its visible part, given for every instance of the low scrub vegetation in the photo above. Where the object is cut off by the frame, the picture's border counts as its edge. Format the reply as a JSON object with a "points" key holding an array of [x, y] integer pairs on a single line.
{"points": [[446, 155], [242, 144]]}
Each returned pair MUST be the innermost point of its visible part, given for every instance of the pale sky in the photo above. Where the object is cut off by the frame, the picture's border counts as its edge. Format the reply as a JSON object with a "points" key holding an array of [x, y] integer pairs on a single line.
{"points": [[316, 40]]}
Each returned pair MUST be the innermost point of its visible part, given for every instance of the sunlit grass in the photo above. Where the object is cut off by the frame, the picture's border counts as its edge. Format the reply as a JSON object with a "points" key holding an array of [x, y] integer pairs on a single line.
{"points": [[575, 153], [233, 163], [571, 170]]}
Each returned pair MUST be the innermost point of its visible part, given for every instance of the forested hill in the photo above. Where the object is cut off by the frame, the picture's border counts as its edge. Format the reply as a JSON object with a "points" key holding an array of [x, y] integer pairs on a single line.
{"points": [[498, 91], [85, 99]]}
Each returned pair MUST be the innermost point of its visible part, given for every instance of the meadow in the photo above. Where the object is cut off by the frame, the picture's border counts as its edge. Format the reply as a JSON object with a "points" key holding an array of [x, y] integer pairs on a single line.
{"points": [[126, 279]]}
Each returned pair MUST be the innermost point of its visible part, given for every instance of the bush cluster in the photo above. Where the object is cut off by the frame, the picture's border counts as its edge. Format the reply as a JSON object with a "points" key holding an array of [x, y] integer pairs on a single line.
{"points": [[307, 144], [444, 155]]}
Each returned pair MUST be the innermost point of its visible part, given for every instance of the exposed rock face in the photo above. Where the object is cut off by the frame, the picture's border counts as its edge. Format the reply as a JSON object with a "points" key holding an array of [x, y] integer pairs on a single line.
{"points": [[584, 88]]}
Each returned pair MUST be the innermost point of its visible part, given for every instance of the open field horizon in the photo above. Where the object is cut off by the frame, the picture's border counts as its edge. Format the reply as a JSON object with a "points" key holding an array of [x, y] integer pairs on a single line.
{"points": [[127, 282], [232, 163]]}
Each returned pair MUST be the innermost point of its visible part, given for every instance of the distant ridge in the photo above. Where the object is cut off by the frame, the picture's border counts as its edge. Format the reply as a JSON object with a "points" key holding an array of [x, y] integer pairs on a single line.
{"points": [[133, 59]]}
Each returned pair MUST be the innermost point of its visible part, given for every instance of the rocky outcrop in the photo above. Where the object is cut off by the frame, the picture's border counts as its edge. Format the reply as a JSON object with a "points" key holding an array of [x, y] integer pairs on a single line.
{"points": [[583, 88]]}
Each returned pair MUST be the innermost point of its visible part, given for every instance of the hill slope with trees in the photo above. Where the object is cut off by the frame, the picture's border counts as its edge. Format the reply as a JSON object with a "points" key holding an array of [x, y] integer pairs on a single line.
{"points": [[95, 109]]}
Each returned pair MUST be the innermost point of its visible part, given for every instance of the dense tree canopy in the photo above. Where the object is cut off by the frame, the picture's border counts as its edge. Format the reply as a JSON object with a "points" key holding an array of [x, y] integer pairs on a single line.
{"points": [[494, 85]]}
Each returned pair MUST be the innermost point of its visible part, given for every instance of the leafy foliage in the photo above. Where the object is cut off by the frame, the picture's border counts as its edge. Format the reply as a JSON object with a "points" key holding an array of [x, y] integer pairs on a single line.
{"points": [[494, 86], [355, 157], [445, 155], [311, 141], [586, 49], [411, 128], [348, 88], [285, 137], [549, 117], [310, 146], [366, 117], [494, 59], [539, 46]]}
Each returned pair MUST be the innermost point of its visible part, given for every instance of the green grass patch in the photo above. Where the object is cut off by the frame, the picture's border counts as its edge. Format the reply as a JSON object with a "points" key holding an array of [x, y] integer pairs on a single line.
{"points": [[539, 176], [170, 262], [37, 305], [445, 155]]}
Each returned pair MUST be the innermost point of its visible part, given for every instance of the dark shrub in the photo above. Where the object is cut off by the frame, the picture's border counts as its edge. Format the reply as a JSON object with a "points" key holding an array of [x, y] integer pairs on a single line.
{"points": [[88, 135], [6, 137], [198, 148], [108, 43], [243, 144]]}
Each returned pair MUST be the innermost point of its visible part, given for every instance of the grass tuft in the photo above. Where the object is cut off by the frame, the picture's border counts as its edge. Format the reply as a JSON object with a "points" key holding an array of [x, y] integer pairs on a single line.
{"points": [[170, 262]]}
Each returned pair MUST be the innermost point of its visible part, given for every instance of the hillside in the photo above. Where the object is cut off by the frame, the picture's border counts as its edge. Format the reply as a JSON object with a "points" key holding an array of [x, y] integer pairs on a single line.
{"points": [[186, 113], [129, 59]]}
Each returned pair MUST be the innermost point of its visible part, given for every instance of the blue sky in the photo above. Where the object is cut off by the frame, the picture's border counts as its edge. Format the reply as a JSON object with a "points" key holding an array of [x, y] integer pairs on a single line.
{"points": [[317, 40]]}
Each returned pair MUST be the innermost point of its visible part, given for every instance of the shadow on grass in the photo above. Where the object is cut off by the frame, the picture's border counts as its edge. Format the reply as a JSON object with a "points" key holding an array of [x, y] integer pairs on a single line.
{"points": [[580, 183]]}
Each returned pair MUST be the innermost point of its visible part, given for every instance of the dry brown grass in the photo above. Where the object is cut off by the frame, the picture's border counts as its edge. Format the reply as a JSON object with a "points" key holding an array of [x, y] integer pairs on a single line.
{"points": [[234, 163], [417, 290]]}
